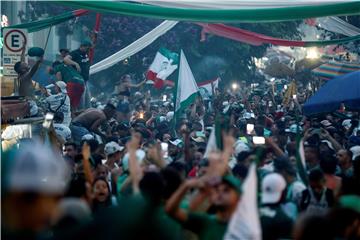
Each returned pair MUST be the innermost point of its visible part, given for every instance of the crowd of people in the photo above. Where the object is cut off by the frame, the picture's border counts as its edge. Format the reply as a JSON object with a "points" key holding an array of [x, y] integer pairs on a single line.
{"points": [[129, 167]]}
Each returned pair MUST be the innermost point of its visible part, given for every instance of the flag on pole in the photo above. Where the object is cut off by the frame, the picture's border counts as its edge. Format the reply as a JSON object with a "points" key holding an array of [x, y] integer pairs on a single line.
{"points": [[164, 64], [300, 161], [186, 87], [215, 142], [245, 222], [211, 145], [208, 86]]}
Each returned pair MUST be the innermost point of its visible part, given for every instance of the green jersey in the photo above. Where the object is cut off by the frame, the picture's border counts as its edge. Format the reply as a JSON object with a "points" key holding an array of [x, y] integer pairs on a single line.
{"points": [[207, 227], [69, 74]]}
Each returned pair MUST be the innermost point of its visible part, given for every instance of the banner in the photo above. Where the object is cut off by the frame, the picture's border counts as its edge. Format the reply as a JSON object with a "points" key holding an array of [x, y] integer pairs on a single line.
{"points": [[48, 22], [257, 39], [241, 14], [134, 47]]}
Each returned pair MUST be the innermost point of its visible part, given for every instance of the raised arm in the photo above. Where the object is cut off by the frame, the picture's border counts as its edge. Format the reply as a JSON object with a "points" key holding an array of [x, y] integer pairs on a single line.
{"points": [[154, 154], [95, 126], [134, 168], [269, 141], [172, 206], [22, 59], [137, 85], [326, 135], [86, 163], [68, 60], [34, 68]]}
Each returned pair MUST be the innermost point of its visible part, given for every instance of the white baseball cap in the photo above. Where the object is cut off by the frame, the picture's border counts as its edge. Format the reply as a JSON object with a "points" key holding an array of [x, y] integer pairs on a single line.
{"points": [[112, 147], [346, 123], [62, 86], [169, 116], [326, 123], [293, 129], [272, 187], [36, 168], [74, 208], [87, 137], [355, 151]]}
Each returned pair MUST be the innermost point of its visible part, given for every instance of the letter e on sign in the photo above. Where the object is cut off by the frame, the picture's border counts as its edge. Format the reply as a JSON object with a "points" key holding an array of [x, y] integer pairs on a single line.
{"points": [[13, 40]]}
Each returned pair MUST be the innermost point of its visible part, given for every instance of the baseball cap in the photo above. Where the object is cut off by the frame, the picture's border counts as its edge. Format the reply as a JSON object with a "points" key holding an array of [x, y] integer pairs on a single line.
{"points": [[293, 129], [232, 181], [272, 187], [326, 123], [64, 50], [355, 151], [112, 147], [62, 86], [74, 208], [177, 142], [346, 123], [169, 116], [35, 168], [247, 115], [87, 137], [86, 43], [240, 146]]}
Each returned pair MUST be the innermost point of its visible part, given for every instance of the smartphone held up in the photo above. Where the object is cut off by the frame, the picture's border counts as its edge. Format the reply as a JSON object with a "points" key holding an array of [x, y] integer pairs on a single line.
{"points": [[258, 140]]}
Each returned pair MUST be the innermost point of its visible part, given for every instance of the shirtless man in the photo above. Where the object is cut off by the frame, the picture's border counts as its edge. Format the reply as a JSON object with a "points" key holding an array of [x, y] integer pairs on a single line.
{"points": [[25, 74], [90, 120]]}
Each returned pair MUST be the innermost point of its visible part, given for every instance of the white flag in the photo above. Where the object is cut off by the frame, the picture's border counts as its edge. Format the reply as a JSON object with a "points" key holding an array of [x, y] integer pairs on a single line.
{"points": [[164, 64], [209, 85], [245, 222], [187, 89], [211, 145]]}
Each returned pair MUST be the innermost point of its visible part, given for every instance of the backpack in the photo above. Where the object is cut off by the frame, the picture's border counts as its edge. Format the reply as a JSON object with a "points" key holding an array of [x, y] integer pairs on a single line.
{"points": [[305, 199], [58, 116]]}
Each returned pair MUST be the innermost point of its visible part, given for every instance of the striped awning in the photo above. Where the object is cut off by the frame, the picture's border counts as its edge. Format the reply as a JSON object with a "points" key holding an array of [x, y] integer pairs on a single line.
{"points": [[333, 69]]}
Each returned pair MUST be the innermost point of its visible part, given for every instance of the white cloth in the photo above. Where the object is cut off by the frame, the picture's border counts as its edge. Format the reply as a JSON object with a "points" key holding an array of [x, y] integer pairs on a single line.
{"points": [[134, 47], [337, 25], [245, 222], [55, 101], [186, 84]]}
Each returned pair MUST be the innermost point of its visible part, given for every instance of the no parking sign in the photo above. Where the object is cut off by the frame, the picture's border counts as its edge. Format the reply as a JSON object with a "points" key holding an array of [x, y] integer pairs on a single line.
{"points": [[13, 42]]}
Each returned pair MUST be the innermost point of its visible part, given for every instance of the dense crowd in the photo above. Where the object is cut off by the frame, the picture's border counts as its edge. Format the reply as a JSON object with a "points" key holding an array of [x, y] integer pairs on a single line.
{"points": [[126, 166]]}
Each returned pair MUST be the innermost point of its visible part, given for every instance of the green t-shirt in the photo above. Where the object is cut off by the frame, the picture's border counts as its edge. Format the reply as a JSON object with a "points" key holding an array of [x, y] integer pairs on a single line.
{"points": [[69, 74], [144, 219], [206, 226]]}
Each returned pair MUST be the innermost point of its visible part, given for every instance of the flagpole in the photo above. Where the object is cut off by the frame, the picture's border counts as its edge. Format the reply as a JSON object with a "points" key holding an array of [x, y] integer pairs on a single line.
{"points": [[300, 167], [96, 31]]}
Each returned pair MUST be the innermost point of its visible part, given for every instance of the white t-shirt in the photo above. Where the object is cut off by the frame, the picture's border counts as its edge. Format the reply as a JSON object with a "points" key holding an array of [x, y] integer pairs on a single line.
{"points": [[296, 189], [56, 100]]}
